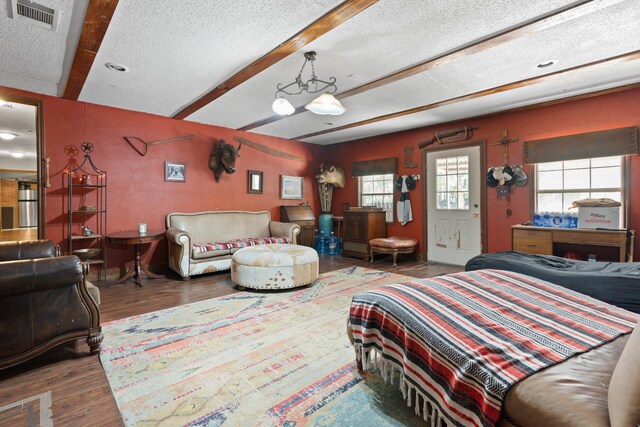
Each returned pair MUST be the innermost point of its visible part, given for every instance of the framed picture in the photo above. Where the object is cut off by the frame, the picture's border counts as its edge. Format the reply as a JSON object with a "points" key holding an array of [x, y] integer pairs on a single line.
{"points": [[175, 172], [291, 187], [254, 182]]}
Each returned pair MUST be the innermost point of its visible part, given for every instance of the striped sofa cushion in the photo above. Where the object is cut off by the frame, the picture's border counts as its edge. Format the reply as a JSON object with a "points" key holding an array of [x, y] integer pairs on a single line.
{"points": [[238, 243]]}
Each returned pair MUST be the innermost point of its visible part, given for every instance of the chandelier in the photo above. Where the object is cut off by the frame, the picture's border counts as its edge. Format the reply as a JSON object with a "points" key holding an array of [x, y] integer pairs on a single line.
{"points": [[324, 104]]}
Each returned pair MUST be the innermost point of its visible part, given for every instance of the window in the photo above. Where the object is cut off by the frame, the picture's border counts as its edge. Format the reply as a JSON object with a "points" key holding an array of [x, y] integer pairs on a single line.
{"points": [[377, 190], [452, 183], [558, 184]]}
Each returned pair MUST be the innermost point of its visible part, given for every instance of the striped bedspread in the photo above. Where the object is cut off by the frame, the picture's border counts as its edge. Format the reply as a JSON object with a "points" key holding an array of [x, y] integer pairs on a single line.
{"points": [[460, 341]]}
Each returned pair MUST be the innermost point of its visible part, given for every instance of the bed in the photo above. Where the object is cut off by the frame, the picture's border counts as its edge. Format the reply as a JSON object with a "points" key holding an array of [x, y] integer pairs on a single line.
{"points": [[617, 283], [492, 347]]}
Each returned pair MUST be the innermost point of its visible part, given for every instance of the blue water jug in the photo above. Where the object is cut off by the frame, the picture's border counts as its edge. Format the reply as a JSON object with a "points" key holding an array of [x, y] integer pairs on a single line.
{"points": [[321, 243], [332, 244]]}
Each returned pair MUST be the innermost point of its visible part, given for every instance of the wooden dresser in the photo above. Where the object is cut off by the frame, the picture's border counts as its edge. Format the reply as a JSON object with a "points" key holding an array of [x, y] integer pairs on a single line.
{"points": [[303, 216], [360, 226], [605, 245]]}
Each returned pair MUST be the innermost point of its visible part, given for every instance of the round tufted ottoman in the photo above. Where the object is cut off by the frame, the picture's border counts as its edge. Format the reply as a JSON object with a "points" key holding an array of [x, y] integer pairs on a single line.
{"points": [[274, 266]]}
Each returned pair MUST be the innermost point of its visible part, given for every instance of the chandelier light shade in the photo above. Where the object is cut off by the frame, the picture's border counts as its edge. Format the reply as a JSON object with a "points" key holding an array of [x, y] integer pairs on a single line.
{"points": [[283, 107], [324, 104]]}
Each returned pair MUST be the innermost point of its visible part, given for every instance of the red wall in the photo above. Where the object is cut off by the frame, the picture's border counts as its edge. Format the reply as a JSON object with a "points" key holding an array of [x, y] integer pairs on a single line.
{"points": [[598, 113], [137, 191]]}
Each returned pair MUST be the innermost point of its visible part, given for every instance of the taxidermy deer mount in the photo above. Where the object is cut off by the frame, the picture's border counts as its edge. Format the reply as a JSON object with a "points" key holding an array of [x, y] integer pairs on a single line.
{"points": [[223, 158]]}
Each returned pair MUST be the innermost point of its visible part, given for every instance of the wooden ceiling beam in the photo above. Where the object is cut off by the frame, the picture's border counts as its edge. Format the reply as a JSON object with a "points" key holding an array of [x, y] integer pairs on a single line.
{"points": [[528, 28], [96, 23], [631, 56], [321, 26]]}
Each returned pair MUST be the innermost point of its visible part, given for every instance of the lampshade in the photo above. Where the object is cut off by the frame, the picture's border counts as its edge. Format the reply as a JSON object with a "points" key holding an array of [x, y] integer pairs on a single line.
{"points": [[283, 107], [326, 104]]}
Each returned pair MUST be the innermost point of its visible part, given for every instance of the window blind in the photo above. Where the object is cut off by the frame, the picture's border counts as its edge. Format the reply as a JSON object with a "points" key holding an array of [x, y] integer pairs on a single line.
{"points": [[375, 167], [612, 142]]}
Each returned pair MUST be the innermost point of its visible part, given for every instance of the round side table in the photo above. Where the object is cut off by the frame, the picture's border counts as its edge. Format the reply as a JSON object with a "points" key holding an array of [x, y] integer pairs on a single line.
{"points": [[133, 237]]}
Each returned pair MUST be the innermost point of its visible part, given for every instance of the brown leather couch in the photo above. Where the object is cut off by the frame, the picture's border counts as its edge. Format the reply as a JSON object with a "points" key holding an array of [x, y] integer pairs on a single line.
{"points": [[44, 302]]}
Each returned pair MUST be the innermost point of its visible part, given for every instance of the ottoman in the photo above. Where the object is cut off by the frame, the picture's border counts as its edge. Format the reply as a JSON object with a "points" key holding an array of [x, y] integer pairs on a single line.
{"points": [[394, 246], [274, 266]]}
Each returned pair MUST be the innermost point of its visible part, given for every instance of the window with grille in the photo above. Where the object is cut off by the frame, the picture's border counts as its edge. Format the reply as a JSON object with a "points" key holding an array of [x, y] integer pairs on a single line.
{"points": [[377, 190], [452, 183], [558, 184]]}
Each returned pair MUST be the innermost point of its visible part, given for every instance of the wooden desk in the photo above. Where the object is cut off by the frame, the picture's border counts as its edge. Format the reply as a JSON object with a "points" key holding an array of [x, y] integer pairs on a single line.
{"points": [[611, 245], [133, 237]]}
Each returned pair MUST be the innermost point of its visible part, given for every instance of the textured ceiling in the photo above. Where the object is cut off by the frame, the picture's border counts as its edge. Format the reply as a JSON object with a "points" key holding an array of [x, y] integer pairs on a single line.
{"points": [[177, 52]]}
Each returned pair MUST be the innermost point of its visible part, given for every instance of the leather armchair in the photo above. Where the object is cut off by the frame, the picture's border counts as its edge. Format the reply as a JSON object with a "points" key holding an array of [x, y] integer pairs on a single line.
{"points": [[44, 302]]}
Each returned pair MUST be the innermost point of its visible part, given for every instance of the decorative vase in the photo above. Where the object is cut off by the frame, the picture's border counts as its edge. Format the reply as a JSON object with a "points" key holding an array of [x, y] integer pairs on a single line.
{"points": [[325, 223]]}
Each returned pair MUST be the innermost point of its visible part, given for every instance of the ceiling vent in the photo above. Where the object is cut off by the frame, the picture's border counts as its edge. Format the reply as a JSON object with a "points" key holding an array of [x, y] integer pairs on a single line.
{"points": [[35, 14]]}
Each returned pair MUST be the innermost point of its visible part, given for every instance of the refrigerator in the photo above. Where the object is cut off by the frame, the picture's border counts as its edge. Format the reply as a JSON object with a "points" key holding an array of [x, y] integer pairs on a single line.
{"points": [[27, 208]]}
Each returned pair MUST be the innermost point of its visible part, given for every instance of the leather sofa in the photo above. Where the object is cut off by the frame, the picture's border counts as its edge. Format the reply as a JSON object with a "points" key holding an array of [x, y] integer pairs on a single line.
{"points": [[221, 230], [44, 302]]}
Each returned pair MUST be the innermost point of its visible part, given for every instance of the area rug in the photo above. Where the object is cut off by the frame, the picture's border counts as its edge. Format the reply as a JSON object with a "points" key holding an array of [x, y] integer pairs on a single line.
{"points": [[252, 359]]}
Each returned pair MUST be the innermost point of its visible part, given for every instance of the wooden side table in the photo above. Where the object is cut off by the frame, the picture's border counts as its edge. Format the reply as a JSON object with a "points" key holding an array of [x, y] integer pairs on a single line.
{"points": [[133, 237]]}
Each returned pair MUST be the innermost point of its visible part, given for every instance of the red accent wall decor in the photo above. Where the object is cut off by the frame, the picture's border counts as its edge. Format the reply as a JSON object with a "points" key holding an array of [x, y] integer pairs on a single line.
{"points": [[137, 190], [585, 115]]}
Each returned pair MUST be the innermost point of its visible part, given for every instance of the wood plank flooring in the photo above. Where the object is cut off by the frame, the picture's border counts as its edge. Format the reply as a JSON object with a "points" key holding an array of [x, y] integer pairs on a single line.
{"points": [[80, 394], [13, 234]]}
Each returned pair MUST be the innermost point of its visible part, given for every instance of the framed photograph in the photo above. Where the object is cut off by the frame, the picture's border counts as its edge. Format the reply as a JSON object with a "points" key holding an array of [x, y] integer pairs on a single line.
{"points": [[254, 182], [291, 187], [175, 172]]}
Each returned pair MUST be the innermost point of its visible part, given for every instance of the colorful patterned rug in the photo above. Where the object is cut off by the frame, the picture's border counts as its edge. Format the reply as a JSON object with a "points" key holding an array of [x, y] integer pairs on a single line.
{"points": [[252, 359]]}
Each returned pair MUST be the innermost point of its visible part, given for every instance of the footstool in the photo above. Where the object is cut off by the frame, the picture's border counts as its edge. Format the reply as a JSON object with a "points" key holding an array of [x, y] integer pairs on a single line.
{"points": [[274, 266], [394, 246]]}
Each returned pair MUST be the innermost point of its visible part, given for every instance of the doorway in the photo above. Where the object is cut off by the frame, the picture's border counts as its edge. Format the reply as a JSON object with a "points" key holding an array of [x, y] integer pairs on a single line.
{"points": [[454, 199], [21, 192]]}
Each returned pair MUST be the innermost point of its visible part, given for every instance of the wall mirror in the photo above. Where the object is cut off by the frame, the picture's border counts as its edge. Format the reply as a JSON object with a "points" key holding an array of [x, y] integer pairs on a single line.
{"points": [[254, 182]]}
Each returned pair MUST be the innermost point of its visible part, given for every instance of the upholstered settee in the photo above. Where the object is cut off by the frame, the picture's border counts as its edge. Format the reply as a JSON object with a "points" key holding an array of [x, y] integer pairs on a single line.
{"points": [[44, 302], [203, 242]]}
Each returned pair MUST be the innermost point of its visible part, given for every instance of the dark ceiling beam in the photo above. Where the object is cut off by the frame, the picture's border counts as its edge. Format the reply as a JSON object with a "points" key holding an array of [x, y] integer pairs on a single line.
{"points": [[96, 23], [528, 28], [321, 26], [631, 56]]}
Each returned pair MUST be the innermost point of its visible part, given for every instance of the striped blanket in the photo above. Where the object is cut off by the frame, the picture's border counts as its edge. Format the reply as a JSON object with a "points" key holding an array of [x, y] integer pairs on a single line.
{"points": [[238, 243], [460, 341]]}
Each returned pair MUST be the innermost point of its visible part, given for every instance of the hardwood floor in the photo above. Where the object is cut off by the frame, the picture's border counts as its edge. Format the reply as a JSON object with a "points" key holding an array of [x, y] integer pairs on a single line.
{"points": [[12, 234], [76, 383]]}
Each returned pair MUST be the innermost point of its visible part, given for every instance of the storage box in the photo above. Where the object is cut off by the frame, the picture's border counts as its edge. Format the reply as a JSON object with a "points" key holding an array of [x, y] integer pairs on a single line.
{"points": [[599, 218]]}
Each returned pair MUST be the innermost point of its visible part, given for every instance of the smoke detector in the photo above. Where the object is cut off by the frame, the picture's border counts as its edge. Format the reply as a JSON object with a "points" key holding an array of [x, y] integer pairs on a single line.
{"points": [[34, 13]]}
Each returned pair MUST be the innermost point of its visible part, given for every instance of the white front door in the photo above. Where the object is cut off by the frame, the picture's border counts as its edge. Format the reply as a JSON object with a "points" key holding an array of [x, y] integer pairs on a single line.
{"points": [[453, 205]]}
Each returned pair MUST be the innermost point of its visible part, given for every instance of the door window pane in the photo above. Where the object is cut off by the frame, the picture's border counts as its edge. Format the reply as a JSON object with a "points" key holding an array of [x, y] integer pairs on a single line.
{"points": [[452, 183]]}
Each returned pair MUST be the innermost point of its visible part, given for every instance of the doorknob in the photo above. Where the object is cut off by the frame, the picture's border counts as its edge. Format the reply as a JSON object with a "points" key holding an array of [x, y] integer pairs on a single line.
{"points": [[476, 214]]}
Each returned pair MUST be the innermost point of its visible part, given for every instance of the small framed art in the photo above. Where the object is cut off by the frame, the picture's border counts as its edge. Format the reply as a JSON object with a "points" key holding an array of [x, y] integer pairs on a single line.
{"points": [[175, 172], [291, 187], [254, 182]]}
